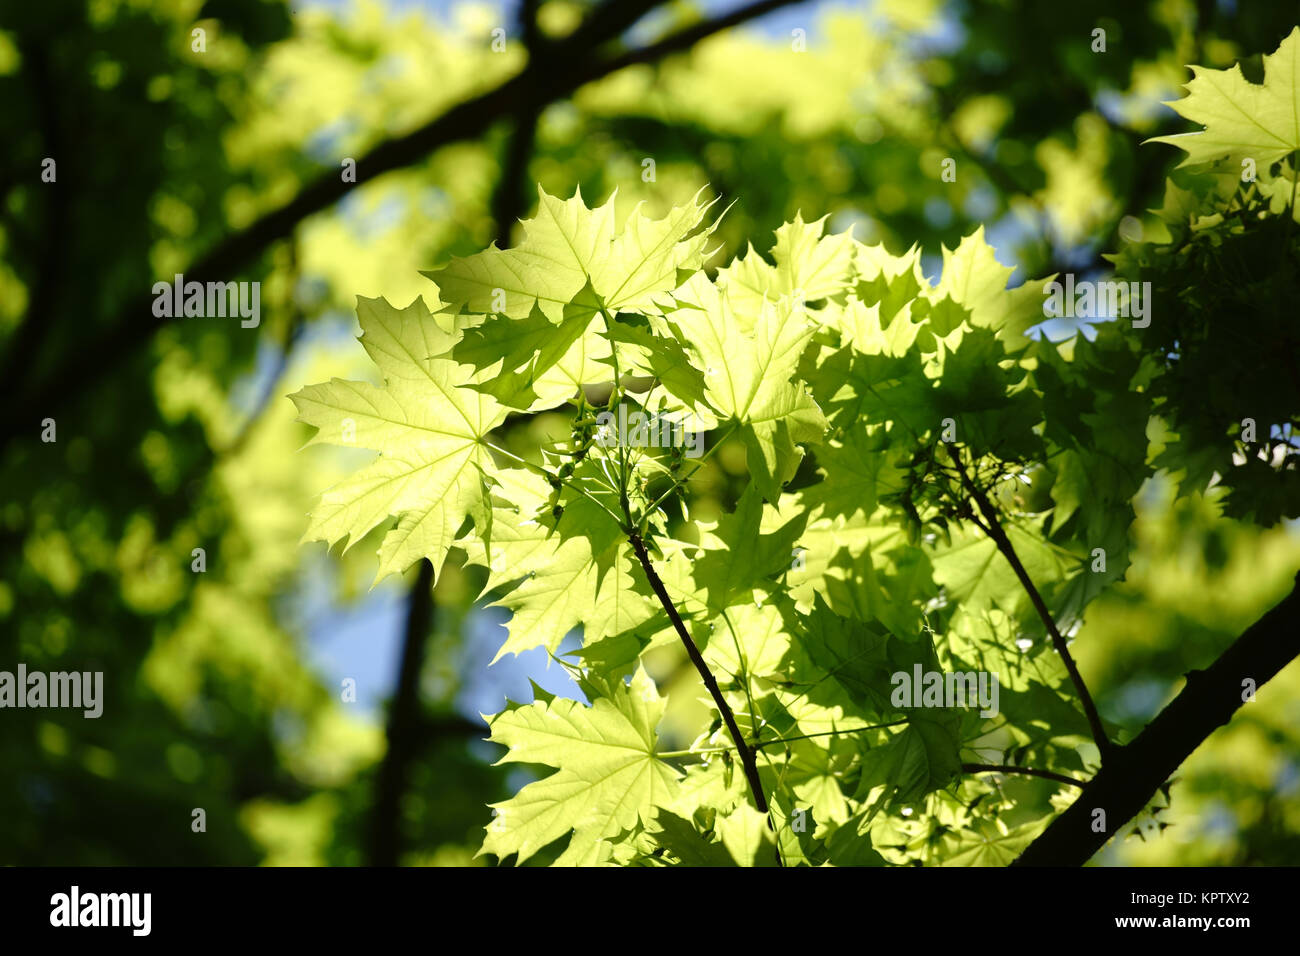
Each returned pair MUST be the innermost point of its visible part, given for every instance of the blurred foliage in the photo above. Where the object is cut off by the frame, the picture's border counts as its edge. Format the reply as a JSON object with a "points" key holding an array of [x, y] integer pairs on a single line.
{"points": [[163, 152]]}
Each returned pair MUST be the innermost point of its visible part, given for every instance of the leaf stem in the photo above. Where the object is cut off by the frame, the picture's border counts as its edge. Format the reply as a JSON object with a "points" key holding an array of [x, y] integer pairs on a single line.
{"points": [[679, 482], [827, 733], [759, 745], [547, 474]]}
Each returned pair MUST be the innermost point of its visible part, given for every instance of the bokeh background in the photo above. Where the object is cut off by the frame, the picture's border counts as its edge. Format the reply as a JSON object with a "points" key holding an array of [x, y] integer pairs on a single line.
{"points": [[225, 687]]}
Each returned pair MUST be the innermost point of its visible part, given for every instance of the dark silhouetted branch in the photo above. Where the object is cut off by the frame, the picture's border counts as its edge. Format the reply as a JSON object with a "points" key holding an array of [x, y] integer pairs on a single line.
{"points": [[745, 752], [404, 725], [1134, 772]]}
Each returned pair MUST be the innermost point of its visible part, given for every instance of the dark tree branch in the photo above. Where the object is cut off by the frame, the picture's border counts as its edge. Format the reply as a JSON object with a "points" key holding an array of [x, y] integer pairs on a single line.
{"points": [[450, 726], [510, 199], [567, 65], [993, 528], [47, 288], [1027, 771], [404, 725], [687, 37], [1135, 771], [746, 754]]}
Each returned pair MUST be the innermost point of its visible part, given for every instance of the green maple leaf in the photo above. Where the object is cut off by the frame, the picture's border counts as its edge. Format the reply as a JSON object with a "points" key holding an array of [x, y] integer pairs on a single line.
{"points": [[428, 425], [849, 652], [1243, 120], [973, 279], [830, 544], [808, 264], [984, 394], [847, 847], [745, 834], [974, 572], [863, 327], [989, 843], [565, 247], [608, 775], [751, 640], [683, 840], [573, 571], [739, 556], [739, 837], [663, 357], [860, 468], [535, 364], [923, 757], [890, 283], [945, 315], [749, 362]]}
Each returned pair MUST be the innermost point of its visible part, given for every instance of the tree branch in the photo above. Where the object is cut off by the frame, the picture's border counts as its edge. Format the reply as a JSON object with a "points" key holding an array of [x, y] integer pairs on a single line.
{"points": [[687, 37], [404, 724], [747, 758], [993, 528], [292, 331], [48, 288], [510, 199], [1135, 771]]}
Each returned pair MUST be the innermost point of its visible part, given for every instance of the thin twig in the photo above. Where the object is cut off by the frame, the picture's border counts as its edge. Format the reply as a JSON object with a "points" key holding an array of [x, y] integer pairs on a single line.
{"points": [[1027, 771], [993, 528], [742, 749]]}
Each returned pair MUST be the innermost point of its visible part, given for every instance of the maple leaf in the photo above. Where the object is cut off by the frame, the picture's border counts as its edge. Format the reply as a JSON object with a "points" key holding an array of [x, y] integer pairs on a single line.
{"points": [[748, 376], [973, 279], [426, 423], [1243, 120], [565, 247], [737, 557], [533, 364], [808, 264], [608, 774], [921, 758], [582, 576]]}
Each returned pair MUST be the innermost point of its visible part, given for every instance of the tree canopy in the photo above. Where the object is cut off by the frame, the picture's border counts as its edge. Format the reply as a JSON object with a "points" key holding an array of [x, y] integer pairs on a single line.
{"points": [[753, 366]]}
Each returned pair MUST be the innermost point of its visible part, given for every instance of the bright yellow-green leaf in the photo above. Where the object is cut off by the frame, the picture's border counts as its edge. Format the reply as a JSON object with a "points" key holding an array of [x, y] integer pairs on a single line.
{"points": [[747, 376], [809, 266], [568, 245], [607, 773], [1243, 120], [427, 426]]}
